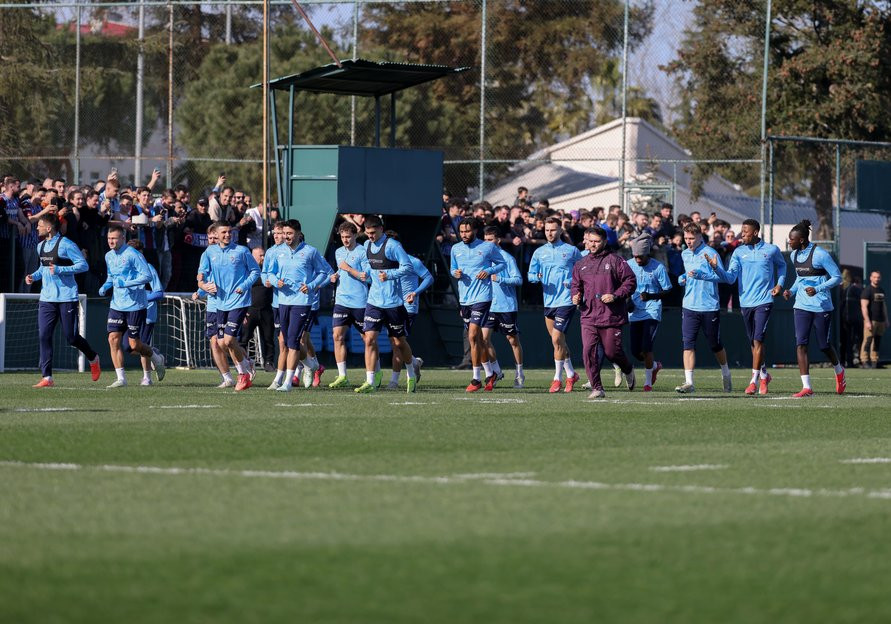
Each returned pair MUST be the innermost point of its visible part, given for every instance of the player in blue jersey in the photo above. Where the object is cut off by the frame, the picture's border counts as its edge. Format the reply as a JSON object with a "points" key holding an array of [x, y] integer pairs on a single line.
{"points": [[300, 273], [212, 327], [816, 274], [473, 263], [275, 251], [653, 285], [234, 271], [60, 261], [128, 273], [699, 311], [350, 297], [385, 263], [551, 265], [760, 270], [503, 313], [413, 283], [154, 294]]}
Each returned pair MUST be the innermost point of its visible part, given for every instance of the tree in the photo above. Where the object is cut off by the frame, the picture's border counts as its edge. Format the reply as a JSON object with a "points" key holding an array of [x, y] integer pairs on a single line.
{"points": [[830, 77]]}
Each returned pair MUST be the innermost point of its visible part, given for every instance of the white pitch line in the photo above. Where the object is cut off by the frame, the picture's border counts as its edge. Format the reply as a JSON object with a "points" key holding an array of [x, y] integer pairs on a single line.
{"points": [[883, 494], [866, 460], [205, 406], [27, 410], [688, 468], [304, 404], [413, 403]]}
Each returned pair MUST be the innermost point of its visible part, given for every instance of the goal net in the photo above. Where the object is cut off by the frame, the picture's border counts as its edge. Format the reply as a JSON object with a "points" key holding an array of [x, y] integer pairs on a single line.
{"points": [[19, 341]]}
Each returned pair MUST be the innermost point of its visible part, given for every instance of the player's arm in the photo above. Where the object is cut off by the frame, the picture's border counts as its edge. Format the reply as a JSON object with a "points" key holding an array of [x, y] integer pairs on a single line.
{"points": [[71, 251], [323, 271], [253, 271], [713, 274], [106, 286], [264, 270], [426, 279], [664, 283], [535, 268], [576, 286], [512, 276], [779, 265], [204, 274], [454, 269], [734, 269], [825, 261], [143, 276], [627, 281], [498, 263], [157, 291]]}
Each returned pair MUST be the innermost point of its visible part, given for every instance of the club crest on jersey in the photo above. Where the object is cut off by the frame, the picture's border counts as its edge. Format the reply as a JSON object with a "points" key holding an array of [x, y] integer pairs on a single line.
{"points": [[606, 267]]}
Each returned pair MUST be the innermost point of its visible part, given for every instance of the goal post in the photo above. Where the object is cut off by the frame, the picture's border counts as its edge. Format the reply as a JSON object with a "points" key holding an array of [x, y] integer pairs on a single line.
{"points": [[19, 339]]}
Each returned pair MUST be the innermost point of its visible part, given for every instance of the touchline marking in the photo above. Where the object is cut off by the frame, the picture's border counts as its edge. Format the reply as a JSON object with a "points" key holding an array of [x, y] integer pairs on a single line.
{"points": [[883, 494], [689, 468], [184, 406], [43, 409], [867, 460], [413, 403]]}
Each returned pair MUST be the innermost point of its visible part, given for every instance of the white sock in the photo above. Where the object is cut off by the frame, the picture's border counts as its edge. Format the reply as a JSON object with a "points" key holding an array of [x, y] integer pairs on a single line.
{"points": [[147, 374], [839, 369], [476, 373], [496, 367], [240, 368], [558, 370], [764, 372], [519, 370], [648, 376], [341, 369], [120, 373], [279, 375], [806, 382], [369, 377], [394, 377], [288, 380], [725, 370], [567, 366], [50, 378], [755, 374], [488, 368], [227, 377], [688, 377], [410, 368]]}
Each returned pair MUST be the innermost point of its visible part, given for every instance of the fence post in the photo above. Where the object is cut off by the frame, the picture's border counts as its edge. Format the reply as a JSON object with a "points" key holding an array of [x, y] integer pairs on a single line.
{"points": [[764, 118], [76, 172], [140, 75], [624, 104]]}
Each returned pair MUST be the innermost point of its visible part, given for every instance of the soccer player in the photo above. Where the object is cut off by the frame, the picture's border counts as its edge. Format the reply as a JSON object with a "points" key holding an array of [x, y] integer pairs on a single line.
{"points": [[212, 326], [152, 297], [350, 298], [234, 271], [274, 253], [300, 272], [816, 274], [473, 264], [128, 273], [385, 262], [412, 284], [699, 310], [653, 285], [760, 270], [60, 261], [601, 284], [503, 313], [552, 265]]}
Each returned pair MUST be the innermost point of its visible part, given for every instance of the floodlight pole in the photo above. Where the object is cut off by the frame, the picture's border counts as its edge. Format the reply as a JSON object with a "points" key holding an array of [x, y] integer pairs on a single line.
{"points": [[624, 105], [482, 151], [76, 175], [265, 198], [764, 115], [140, 75]]}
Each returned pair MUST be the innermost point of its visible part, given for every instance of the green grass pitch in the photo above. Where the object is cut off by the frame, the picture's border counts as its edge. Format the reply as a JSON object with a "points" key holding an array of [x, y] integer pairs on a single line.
{"points": [[184, 503]]}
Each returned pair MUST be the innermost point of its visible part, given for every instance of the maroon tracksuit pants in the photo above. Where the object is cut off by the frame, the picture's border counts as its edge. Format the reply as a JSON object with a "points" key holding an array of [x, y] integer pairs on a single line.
{"points": [[610, 340]]}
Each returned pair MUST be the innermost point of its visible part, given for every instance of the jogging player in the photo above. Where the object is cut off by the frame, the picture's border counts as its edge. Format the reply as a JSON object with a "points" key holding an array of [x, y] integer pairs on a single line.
{"points": [[816, 274], [274, 253], [552, 265], [154, 294], [653, 285], [473, 262], [350, 298], [413, 284], [60, 261], [503, 313]]}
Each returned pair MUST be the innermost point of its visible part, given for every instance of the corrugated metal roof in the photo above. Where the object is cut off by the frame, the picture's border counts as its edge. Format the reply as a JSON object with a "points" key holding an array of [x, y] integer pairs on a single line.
{"points": [[363, 78], [791, 212]]}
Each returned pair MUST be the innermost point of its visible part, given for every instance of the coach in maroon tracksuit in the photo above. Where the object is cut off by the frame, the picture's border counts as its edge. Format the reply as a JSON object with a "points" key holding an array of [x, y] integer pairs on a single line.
{"points": [[601, 284]]}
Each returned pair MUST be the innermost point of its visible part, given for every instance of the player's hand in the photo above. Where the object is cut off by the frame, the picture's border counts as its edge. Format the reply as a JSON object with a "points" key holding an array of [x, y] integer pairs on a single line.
{"points": [[195, 296], [776, 290], [607, 298], [457, 273], [482, 275], [644, 296], [811, 291], [382, 276], [304, 288], [210, 288], [363, 276], [239, 291], [334, 278], [712, 261], [280, 283], [691, 273], [102, 291], [786, 295], [576, 299], [28, 279], [344, 265], [410, 297], [540, 275], [494, 278], [52, 268]]}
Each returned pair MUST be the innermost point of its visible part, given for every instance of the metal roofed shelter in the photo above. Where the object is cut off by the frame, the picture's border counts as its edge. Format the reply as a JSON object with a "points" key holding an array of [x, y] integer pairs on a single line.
{"points": [[317, 182]]}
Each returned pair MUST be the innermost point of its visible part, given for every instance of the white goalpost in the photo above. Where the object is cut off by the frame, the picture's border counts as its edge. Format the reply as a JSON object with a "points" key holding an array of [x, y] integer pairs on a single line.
{"points": [[19, 340]]}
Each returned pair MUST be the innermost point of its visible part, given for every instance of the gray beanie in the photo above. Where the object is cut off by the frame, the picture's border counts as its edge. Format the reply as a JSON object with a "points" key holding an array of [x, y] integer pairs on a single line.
{"points": [[641, 245]]}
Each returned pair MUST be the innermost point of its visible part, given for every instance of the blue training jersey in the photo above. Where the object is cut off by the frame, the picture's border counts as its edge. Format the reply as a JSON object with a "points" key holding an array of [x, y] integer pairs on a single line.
{"points": [[757, 268], [271, 254], [478, 256], [153, 296], [59, 285], [554, 262], [651, 278], [128, 273], [415, 281], [301, 265], [823, 284], [504, 287], [701, 290], [351, 292], [233, 269], [386, 293]]}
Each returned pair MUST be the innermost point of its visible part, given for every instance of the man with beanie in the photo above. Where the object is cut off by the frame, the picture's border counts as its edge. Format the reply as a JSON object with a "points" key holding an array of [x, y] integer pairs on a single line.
{"points": [[601, 284], [652, 285]]}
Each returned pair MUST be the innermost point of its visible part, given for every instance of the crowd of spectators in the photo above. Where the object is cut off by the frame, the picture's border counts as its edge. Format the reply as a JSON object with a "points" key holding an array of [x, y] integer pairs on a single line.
{"points": [[171, 226]]}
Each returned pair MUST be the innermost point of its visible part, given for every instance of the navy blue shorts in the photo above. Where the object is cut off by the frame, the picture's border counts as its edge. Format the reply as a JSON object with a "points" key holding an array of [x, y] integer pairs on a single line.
{"points": [[708, 322], [409, 321], [295, 320], [475, 313], [394, 318], [642, 335], [145, 335], [229, 321], [756, 321], [502, 322], [211, 326], [313, 318], [276, 321], [561, 315], [130, 322], [344, 316], [820, 321]]}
